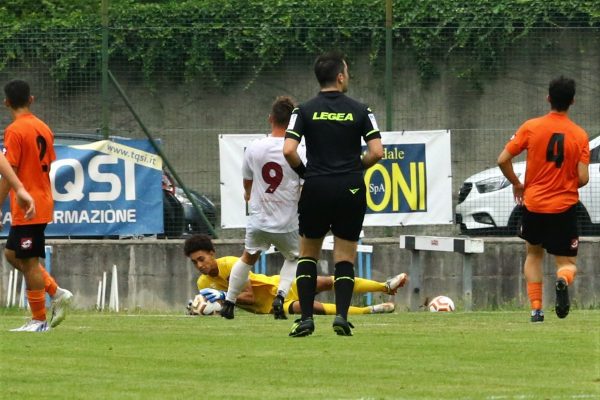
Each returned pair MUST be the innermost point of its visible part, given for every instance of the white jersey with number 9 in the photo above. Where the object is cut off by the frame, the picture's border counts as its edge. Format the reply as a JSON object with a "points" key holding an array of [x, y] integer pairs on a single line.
{"points": [[273, 205]]}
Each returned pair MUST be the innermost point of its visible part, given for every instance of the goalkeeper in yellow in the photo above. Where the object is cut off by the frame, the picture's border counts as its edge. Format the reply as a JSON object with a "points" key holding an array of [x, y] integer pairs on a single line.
{"points": [[258, 295]]}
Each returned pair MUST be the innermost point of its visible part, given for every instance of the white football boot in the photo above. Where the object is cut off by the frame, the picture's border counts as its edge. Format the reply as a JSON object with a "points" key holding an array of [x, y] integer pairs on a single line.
{"points": [[61, 302], [383, 308], [393, 284], [33, 325]]}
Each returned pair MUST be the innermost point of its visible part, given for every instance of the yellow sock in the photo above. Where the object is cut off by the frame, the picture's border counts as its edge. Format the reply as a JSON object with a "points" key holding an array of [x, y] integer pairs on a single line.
{"points": [[330, 309], [368, 286], [359, 310]]}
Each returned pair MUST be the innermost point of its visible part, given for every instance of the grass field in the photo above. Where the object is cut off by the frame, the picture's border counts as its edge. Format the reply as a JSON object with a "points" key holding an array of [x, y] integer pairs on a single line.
{"points": [[479, 355]]}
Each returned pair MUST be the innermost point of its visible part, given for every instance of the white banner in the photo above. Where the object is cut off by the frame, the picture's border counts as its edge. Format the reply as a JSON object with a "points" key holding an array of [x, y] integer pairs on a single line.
{"points": [[411, 185], [231, 157]]}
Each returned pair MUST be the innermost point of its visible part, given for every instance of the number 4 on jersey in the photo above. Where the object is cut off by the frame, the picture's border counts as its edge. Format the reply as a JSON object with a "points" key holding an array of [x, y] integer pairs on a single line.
{"points": [[555, 152]]}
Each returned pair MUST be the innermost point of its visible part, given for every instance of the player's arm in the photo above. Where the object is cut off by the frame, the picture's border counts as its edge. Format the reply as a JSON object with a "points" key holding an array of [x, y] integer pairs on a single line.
{"points": [[247, 189], [247, 172], [290, 152], [583, 174], [506, 166], [10, 179], [24, 199], [372, 137], [4, 188], [293, 136], [373, 154]]}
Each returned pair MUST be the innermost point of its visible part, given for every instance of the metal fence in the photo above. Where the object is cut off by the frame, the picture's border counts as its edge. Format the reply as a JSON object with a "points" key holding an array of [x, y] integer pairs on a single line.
{"points": [[481, 101]]}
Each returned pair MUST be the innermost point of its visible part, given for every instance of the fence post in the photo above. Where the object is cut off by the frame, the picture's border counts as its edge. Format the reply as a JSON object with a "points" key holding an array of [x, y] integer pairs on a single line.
{"points": [[104, 83], [467, 282], [389, 92], [415, 280]]}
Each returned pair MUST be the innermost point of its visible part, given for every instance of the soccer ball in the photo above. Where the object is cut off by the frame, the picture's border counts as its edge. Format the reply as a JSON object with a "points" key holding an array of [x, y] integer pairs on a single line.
{"points": [[441, 303], [200, 306]]}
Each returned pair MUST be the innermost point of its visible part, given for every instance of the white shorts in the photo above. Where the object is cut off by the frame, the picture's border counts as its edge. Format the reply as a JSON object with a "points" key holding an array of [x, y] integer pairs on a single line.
{"points": [[288, 243]]}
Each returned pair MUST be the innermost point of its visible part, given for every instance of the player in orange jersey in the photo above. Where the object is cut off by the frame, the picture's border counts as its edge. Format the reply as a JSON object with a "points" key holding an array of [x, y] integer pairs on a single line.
{"points": [[558, 155], [29, 149]]}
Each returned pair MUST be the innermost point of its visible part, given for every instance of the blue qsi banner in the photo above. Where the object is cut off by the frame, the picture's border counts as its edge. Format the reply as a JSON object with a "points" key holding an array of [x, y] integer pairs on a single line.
{"points": [[104, 188]]}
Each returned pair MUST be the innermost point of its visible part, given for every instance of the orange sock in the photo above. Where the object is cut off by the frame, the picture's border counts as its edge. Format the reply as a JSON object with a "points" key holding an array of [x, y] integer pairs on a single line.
{"points": [[49, 283], [37, 303], [534, 291], [567, 274]]}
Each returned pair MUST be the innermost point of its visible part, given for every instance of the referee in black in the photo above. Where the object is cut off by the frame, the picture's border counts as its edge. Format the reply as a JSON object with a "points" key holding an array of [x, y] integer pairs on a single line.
{"points": [[333, 197]]}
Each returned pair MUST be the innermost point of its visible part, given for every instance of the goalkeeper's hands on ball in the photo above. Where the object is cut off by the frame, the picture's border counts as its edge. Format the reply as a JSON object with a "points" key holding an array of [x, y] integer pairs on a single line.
{"points": [[213, 295]]}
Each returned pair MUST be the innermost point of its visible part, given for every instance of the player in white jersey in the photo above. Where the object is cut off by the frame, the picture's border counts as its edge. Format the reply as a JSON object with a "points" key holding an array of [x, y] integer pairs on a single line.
{"points": [[272, 190]]}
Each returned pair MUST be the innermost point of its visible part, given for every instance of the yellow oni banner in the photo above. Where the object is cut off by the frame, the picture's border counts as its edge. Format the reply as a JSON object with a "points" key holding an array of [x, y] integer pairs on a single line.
{"points": [[412, 183]]}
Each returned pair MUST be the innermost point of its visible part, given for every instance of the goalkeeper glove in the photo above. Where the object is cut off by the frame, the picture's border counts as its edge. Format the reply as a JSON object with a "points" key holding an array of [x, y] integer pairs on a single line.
{"points": [[212, 295]]}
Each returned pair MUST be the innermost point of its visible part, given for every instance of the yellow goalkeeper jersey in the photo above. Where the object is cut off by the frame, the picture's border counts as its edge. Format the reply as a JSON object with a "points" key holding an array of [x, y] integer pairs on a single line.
{"points": [[264, 287]]}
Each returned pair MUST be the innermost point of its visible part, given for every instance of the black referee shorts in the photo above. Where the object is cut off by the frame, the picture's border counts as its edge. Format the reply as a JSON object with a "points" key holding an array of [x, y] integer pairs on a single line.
{"points": [[334, 202], [557, 233]]}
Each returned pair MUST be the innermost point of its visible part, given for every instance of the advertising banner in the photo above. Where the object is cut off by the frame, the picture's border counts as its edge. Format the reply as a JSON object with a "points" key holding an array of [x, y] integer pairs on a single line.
{"points": [[411, 185], [104, 188], [231, 157]]}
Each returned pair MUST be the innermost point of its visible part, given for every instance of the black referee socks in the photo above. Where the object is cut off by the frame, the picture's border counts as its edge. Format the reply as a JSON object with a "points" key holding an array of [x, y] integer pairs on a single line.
{"points": [[344, 286], [306, 282]]}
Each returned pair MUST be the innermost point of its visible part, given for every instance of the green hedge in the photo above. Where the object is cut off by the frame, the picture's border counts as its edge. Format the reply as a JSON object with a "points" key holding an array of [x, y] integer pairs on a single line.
{"points": [[212, 37]]}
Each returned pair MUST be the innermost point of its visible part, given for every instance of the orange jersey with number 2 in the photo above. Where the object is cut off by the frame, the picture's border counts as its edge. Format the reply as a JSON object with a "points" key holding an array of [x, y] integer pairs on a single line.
{"points": [[29, 147], [555, 145]]}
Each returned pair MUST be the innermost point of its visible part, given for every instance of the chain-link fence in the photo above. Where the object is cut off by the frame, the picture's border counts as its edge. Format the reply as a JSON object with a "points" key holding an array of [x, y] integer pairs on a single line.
{"points": [[202, 90]]}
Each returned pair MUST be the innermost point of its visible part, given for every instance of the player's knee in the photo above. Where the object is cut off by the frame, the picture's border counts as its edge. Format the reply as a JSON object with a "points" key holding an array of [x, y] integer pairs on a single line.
{"points": [[249, 258], [12, 258], [566, 262]]}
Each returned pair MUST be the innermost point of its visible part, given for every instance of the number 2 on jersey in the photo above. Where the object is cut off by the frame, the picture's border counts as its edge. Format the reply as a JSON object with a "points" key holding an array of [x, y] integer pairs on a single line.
{"points": [[272, 174], [555, 152], [42, 146]]}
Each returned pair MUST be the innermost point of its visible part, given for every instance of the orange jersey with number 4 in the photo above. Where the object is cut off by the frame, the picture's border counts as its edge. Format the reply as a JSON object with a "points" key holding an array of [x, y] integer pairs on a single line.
{"points": [[29, 147], [555, 145]]}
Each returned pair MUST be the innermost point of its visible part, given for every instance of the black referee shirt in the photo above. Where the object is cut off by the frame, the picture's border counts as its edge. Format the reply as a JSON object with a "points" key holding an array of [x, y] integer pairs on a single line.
{"points": [[332, 124]]}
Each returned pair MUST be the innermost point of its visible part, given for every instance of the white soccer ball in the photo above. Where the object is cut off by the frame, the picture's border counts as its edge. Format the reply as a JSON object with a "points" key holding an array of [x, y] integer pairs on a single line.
{"points": [[441, 303], [201, 306]]}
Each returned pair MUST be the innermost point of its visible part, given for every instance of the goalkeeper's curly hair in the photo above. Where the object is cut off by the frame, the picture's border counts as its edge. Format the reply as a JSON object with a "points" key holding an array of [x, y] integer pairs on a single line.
{"points": [[197, 242]]}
